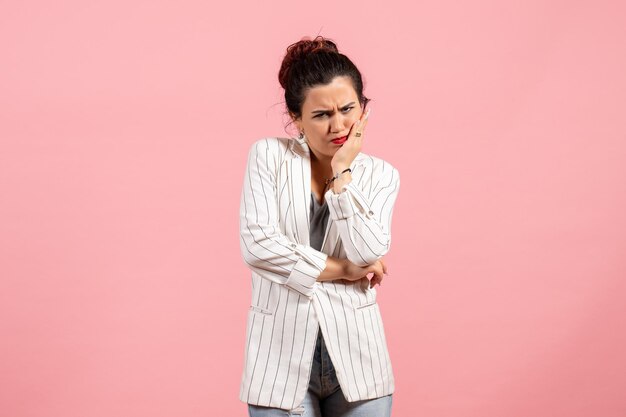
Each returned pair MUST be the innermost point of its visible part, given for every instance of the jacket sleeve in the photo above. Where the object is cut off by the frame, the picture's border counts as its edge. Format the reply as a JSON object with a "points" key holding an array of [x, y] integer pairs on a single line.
{"points": [[364, 223], [266, 250]]}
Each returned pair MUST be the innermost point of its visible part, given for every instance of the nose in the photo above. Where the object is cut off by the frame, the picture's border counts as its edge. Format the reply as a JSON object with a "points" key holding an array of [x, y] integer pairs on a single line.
{"points": [[337, 123]]}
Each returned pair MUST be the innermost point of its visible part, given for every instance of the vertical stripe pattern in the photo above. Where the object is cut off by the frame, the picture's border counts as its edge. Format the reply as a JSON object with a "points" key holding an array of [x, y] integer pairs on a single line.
{"points": [[288, 306]]}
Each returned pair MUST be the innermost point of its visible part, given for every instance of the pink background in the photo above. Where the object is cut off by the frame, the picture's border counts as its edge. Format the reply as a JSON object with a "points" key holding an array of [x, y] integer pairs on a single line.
{"points": [[124, 128]]}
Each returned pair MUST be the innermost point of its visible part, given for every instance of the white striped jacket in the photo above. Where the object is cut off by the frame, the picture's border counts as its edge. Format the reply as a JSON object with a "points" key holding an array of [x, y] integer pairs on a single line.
{"points": [[288, 305]]}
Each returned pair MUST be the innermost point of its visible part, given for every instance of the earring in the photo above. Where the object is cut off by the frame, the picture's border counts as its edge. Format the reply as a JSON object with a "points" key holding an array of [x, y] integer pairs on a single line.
{"points": [[301, 135]]}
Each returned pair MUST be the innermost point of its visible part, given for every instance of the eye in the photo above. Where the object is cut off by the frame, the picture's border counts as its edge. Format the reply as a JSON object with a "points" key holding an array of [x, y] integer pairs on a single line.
{"points": [[349, 108]]}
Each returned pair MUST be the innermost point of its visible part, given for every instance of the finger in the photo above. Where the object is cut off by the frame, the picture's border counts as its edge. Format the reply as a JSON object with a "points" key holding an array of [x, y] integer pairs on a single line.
{"points": [[365, 115], [354, 129], [358, 129], [376, 279], [384, 266], [363, 121]]}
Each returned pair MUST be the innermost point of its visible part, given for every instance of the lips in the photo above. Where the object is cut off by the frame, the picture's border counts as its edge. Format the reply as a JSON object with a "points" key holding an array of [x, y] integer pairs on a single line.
{"points": [[340, 140]]}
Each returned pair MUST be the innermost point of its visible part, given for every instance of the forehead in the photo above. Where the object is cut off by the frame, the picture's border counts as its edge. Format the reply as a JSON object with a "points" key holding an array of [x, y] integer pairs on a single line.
{"points": [[335, 94]]}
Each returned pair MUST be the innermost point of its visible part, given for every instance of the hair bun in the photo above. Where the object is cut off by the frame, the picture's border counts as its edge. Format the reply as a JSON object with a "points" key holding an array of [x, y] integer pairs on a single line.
{"points": [[300, 50]]}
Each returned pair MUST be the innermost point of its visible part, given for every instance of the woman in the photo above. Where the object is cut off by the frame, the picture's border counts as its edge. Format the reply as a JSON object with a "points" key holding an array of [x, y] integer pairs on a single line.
{"points": [[315, 220]]}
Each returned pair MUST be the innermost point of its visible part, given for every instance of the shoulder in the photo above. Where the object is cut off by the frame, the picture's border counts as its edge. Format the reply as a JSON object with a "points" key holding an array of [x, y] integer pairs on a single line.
{"points": [[271, 143], [269, 147]]}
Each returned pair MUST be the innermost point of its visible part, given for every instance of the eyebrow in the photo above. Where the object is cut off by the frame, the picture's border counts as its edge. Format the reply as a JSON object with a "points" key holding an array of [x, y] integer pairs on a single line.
{"points": [[328, 111]]}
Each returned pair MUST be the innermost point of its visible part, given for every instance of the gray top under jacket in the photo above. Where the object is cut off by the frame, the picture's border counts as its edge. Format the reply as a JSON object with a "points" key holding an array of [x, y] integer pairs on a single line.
{"points": [[319, 218]]}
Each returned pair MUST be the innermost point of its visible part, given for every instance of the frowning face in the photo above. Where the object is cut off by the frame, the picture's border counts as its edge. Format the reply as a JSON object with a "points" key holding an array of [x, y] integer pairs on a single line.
{"points": [[328, 112]]}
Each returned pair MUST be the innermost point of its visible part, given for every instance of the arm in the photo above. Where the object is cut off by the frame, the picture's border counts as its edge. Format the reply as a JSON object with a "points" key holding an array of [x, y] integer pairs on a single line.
{"points": [[364, 223], [264, 248], [336, 269]]}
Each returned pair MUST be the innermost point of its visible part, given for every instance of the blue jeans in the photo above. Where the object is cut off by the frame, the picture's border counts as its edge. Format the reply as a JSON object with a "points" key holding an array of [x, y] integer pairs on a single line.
{"points": [[324, 397]]}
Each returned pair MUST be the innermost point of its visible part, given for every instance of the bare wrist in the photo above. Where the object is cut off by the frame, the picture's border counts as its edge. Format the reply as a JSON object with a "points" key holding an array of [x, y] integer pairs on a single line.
{"points": [[345, 268]]}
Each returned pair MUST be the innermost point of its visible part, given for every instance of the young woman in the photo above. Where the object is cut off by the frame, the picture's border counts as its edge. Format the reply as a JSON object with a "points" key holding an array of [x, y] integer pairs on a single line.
{"points": [[315, 220]]}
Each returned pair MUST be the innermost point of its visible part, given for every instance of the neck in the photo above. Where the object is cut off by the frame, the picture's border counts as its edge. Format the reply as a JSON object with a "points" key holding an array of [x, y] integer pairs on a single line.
{"points": [[320, 165]]}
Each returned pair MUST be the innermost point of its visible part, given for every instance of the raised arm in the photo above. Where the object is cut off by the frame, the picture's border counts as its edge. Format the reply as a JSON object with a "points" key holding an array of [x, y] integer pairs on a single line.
{"points": [[264, 248], [364, 221]]}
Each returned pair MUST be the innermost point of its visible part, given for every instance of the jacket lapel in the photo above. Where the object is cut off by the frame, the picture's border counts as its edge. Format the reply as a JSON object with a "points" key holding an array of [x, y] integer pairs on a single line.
{"points": [[299, 186]]}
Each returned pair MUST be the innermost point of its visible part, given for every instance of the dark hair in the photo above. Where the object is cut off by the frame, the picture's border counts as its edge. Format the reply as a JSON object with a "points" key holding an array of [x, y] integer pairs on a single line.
{"points": [[309, 63]]}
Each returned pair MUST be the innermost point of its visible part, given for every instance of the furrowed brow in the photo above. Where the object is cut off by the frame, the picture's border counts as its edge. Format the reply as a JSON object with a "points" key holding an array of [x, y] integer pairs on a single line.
{"points": [[328, 111]]}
